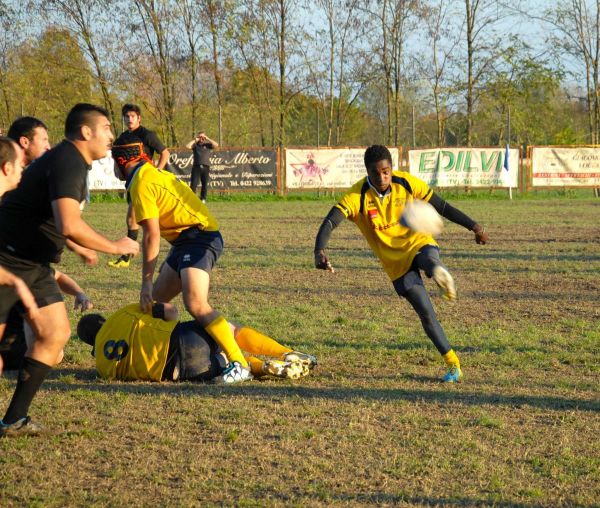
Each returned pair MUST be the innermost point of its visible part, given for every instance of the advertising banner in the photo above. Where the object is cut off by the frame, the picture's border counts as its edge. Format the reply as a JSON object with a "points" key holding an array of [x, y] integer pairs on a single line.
{"points": [[313, 168], [460, 167], [102, 175], [232, 169], [565, 167]]}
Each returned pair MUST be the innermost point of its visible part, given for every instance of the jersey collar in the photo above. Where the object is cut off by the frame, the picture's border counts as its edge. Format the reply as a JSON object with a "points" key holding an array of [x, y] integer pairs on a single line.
{"points": [[133, 173], [377, 193]]}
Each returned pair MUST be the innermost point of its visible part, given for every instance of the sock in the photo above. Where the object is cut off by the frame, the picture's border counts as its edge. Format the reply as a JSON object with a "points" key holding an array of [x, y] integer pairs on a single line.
{"points": [[220, 331], [256, 366], [258, 344], [31, 376], [133, 234], [451, 359]]}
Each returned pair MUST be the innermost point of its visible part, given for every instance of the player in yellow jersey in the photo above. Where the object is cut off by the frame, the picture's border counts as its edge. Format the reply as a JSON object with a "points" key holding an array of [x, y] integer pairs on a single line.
{"points": [[134, 346], [375, 204], [165, 206]]}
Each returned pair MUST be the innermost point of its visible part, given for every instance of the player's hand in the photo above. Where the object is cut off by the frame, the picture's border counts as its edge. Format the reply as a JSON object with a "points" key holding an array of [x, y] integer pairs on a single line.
{"points": [[322, 261], [146, 301], [126, 246], [88, 256], [82, 303], [481, 237]]}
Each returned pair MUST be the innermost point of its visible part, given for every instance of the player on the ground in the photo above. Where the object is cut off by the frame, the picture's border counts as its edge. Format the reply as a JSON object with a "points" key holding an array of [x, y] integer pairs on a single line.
{"points": [[165, 206], [375, 204], [12, 163], [131, 345], [136, 133], [31, 134], [36, 219]]}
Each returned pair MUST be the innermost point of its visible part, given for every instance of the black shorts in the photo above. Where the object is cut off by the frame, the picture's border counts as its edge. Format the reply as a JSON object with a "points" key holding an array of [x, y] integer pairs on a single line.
{"points": [[413, 277], [195, 248], [38, 278], [198, 356]]}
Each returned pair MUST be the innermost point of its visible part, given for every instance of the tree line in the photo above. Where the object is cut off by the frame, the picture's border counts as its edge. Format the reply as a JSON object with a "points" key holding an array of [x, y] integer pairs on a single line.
{"points": [[327, 72]]}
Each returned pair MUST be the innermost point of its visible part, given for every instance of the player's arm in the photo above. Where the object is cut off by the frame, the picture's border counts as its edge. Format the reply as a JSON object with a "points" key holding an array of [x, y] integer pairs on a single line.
{"points": [[150, 251], [89, 256], [70, 287], [163, 159], [69, 223], [23, 292], [453, 214], [333, 219]]}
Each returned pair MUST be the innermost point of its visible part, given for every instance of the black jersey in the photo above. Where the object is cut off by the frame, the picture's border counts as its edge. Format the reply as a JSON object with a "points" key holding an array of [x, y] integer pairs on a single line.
{"points": [[202, 154], [27, 225], [152, 143]]}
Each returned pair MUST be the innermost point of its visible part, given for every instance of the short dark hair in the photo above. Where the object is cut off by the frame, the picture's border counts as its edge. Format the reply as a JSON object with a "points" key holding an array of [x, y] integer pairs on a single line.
{"points": [[24, 126], [82, 114], [131, 107], [376, 153], [8, 151], [89, 326]]}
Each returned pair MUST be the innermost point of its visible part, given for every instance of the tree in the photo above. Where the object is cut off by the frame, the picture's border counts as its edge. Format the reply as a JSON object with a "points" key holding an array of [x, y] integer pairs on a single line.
{"points": [[577, 35], [83, 19]]}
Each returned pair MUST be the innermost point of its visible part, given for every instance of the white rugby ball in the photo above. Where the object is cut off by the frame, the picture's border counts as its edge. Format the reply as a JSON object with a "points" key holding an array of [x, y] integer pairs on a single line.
{"points": [[422, 218]]}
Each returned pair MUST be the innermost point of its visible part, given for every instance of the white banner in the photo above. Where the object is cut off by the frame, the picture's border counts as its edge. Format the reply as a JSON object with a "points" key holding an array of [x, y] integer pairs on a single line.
{"points": [[326, 168], [459, 167], [102, 175], [562, 167]]}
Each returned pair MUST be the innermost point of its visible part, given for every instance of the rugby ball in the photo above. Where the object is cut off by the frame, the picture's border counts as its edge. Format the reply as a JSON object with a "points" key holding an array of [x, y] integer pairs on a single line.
{"points": [[422, 218]]}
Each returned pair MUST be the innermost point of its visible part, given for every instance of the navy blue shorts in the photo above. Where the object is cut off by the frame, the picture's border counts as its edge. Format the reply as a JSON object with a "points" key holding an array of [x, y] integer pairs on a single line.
{"points": [[195, 248], [427, 257], [199, 356], [38, 278]]}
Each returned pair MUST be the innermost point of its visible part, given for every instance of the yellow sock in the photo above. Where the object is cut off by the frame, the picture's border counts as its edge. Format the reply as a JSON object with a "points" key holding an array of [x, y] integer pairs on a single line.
{"points": [[256, 366], [220, 331], [451, 359], [258, 344]]}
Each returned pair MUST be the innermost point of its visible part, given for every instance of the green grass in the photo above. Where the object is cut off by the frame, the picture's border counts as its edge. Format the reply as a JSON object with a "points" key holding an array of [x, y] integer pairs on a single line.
{"points": [[372, 425]]}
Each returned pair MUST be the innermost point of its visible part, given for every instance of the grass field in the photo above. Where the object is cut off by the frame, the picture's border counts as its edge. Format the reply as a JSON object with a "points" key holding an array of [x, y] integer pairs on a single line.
{"points": [[373, 425]]}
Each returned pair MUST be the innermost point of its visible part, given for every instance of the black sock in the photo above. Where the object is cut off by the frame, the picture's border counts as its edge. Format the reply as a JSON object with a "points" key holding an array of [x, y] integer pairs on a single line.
{"points": [[31, 376], [133, 234]]}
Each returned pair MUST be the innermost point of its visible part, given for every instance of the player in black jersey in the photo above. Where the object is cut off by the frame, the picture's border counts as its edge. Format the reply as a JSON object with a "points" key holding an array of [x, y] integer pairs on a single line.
{"points": [[136, 133], [36, 220]]}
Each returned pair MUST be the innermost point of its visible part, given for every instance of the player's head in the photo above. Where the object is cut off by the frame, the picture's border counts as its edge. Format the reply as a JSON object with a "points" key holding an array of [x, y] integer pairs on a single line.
{"points": [[31, 134], [88, 126], [132, 116], [126, 155], [12, 162], [378, 161], [89, 326]]}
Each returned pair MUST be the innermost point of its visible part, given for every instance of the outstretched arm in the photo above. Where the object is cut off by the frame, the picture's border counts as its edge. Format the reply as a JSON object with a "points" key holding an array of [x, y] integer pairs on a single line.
{"points": [[446, 210], [70, 287], [333, 219]]}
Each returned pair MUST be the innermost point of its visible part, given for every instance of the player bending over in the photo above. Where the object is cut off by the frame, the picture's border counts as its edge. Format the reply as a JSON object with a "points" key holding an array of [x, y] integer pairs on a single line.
{"points": [[375, 204], [165, 206], [134, 346]]}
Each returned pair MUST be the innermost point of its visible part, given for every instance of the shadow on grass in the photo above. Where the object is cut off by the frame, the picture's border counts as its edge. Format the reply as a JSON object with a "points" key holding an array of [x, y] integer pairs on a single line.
{"points": [[262, 390]]}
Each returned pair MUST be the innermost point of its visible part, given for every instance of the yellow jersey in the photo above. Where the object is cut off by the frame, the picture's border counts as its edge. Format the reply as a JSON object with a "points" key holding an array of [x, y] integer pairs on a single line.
{"points": [[133, 346], [378, 219], [159, 194]]}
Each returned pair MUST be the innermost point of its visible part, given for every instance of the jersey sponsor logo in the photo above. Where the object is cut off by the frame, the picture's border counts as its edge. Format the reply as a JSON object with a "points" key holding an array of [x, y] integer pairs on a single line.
{"points": [[116, 350], [372, 213], [383, 227], [186, 258]]}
